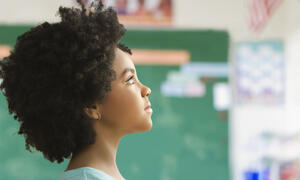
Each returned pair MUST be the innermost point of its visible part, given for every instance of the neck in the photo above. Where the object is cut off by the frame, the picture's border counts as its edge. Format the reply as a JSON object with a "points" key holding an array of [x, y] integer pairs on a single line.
{"points": [[100, 155]]}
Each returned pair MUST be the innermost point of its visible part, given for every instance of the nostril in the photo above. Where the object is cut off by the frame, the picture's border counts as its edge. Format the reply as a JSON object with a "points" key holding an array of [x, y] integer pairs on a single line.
{"points": [[148, 91]]}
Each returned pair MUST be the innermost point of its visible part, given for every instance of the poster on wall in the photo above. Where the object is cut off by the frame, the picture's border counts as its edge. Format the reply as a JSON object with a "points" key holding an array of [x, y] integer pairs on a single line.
{"points": [[260, 73], [140, 13]]}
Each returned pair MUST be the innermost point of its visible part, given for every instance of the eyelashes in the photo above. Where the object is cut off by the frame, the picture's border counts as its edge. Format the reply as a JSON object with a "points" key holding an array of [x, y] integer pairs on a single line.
{"points": [[131, 78]]}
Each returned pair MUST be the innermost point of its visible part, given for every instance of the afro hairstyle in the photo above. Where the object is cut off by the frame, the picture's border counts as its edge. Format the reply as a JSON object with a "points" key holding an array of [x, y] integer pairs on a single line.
{"points": [[57, 69]]}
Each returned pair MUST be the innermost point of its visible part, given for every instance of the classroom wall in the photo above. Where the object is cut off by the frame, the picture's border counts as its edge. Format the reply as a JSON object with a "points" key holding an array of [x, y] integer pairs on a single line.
{"points": [[292, 44], [230, 15], [208, 14], [213, 14], [30, 11]]}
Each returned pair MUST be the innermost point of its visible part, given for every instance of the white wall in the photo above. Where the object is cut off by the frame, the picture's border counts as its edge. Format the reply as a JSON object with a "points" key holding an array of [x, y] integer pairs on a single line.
{"points": [[292, 46], [230, 15], [30, 11], [209, 14]]}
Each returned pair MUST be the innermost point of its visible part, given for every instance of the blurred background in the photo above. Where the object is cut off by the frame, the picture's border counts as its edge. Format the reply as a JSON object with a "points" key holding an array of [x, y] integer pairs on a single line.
{"points": [[225, 92]]}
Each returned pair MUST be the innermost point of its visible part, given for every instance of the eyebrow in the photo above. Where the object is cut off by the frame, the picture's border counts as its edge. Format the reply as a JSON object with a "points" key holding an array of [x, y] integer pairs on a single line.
{"points": [[126, 70]]}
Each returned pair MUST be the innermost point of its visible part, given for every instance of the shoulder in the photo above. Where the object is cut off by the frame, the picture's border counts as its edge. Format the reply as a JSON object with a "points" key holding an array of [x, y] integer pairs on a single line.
{"points": [[85, 173]]}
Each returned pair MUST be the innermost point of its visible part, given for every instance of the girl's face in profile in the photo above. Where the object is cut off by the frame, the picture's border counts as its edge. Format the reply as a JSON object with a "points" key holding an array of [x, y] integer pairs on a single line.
{"points": [[124, 107]]}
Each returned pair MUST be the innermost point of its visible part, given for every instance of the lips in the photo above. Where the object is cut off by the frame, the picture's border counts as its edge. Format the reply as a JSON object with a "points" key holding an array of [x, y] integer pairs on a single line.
{"points": [[148, 107]]}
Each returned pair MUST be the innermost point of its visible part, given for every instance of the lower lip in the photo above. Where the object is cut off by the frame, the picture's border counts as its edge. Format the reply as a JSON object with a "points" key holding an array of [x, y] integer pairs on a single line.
{"points": [[148, 110]]}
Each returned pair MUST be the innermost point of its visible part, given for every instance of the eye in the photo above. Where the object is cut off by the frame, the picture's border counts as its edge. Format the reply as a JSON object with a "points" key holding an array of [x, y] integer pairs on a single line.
{"points": [[131, 80]]}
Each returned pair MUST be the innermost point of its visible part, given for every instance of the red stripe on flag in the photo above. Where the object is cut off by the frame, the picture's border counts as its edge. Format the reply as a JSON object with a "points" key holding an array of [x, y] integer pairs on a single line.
{"points": [[260, 12]]}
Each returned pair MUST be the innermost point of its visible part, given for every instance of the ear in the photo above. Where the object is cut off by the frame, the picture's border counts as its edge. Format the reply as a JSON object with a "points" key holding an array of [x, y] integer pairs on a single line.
{"points": [[92, 111]]}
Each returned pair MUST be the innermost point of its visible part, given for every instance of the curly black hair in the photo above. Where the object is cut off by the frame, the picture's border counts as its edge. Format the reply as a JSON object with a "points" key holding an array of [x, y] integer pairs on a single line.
{"points": [[54, 71]]}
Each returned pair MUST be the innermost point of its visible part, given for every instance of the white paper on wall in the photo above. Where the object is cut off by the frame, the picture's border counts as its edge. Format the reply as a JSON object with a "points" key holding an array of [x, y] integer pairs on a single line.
{"points": [[222, 96], [260, 73]]}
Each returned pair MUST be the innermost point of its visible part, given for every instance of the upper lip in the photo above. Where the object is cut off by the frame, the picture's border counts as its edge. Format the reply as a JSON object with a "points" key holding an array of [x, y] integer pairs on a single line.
{"points": [[148, 106]]}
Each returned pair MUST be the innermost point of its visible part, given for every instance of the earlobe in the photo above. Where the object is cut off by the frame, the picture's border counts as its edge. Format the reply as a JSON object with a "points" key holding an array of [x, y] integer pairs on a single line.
{"points": [[92, 112]]}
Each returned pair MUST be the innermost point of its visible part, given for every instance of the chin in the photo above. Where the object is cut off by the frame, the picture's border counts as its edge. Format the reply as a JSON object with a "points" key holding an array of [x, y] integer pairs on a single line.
{"points": [[147, 126], [144, 127]]}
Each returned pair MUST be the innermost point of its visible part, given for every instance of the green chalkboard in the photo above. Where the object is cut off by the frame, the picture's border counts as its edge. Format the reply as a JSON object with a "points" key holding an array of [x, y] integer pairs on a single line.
{"points": [[188, 140]]}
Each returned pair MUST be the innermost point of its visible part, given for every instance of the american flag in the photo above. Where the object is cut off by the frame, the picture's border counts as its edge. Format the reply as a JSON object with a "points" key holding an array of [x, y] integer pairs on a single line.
{"points": [[260, 12]]}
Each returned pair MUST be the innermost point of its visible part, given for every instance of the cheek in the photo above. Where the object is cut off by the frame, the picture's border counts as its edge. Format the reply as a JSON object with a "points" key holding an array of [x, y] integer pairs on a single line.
{"points": [[124, 107]]}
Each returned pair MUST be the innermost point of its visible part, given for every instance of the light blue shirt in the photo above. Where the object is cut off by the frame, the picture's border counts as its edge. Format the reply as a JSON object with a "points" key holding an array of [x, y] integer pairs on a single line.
{"points": [[85, 173]]}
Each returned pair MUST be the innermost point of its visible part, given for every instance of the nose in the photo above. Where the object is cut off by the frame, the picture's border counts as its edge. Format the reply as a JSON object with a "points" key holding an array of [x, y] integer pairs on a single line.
{"points": [[146, 91]]}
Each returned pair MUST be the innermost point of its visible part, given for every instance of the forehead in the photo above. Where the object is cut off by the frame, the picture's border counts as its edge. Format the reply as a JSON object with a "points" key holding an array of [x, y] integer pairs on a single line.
{"points": [[121, 62]]}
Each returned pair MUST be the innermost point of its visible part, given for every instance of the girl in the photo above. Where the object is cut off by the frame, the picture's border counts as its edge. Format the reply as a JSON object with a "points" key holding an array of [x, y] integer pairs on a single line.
{"points": [[74, 89]]}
